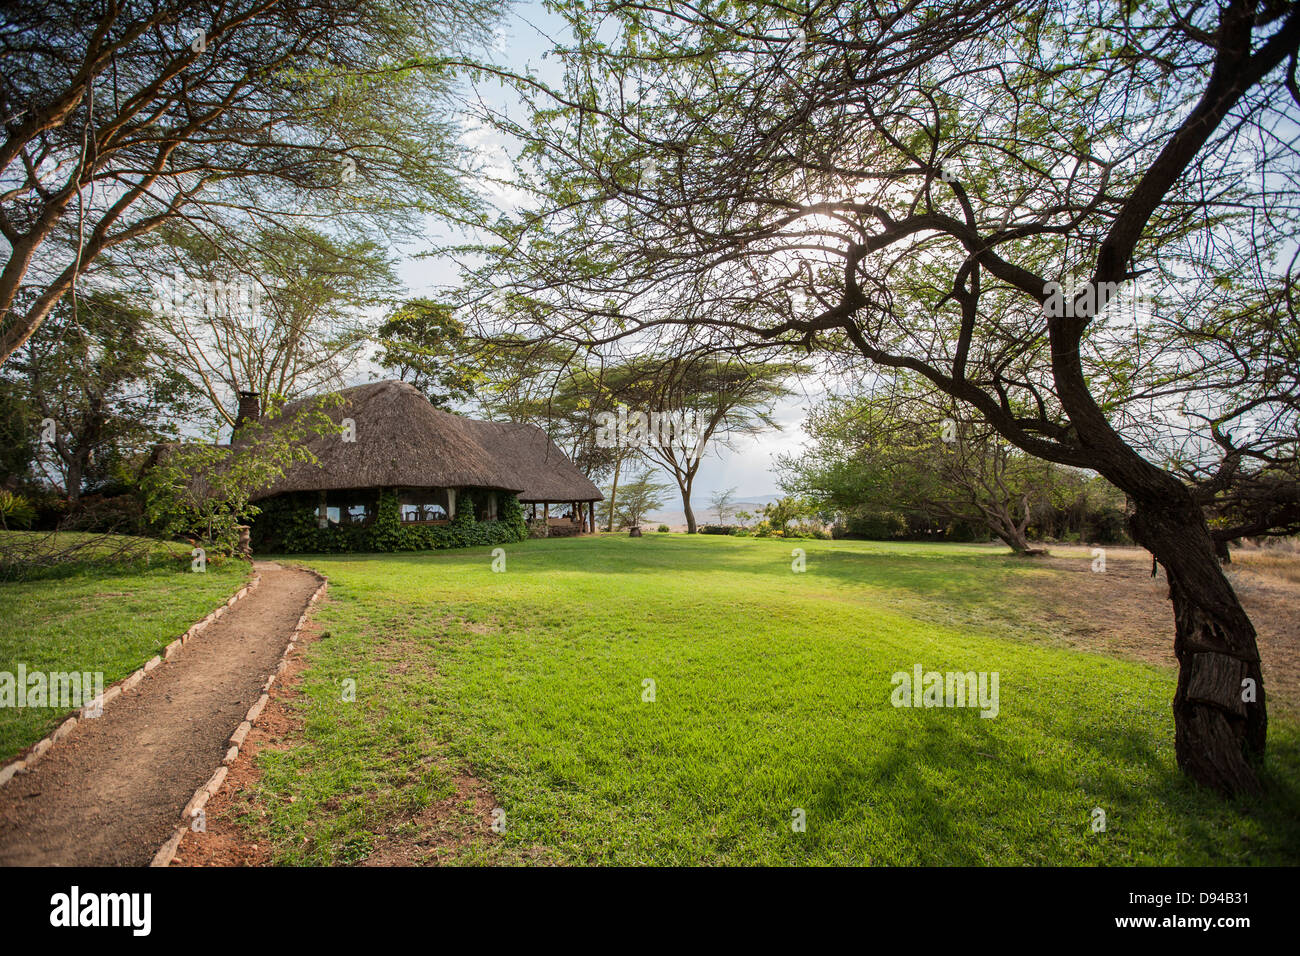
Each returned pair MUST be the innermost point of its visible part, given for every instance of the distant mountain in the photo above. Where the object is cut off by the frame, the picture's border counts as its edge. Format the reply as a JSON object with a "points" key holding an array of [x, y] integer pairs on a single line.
{"points": [[675, 518], [747, 503]]}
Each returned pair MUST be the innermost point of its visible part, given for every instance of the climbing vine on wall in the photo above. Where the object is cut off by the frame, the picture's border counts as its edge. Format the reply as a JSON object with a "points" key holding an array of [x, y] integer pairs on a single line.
{"points": [[289, 524]]}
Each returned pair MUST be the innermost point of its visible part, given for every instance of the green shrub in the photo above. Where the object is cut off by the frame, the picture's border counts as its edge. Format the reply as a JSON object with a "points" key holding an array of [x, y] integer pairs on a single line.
{"points": [[15, 511], [289, 524], [1108, 526], [965, 531], [718, 528], [663, 529], [875, 526]]}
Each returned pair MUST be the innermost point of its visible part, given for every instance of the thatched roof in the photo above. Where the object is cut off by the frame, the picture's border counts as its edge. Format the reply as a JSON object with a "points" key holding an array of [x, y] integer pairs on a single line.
{"points": [[529, 458], [403, 441]]}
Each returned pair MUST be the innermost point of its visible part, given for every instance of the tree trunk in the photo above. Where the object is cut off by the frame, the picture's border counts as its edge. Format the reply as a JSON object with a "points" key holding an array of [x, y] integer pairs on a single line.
{"points": [[1220, 719], [1002, 522], [613, 491], [690, 512], [74, 479], [1013, 539]]}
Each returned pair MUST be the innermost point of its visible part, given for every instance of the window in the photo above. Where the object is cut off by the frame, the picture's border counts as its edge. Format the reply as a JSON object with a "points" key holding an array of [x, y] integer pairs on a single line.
{"points": [[423, 511], [348, 514]]}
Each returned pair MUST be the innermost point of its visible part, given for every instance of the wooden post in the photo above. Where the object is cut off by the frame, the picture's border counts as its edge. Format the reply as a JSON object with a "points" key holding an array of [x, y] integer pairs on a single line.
{"points": [[451, 503], [591, 506], [546, 519], [322, 512]]}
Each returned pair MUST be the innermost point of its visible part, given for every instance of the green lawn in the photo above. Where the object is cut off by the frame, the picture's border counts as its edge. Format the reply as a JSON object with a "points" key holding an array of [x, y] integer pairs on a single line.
{"points": [[108, 619], [772, 695]]}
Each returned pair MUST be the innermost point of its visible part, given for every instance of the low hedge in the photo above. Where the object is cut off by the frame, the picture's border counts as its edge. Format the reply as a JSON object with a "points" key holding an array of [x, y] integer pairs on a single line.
{"points": [[290, 525]]}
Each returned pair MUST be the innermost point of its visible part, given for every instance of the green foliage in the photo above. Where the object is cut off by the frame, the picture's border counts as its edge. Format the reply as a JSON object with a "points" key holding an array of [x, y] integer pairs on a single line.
{"points": [[95, 375], [424, 344], [15, 511], [637, 495], [874, 524], [784, 510], [881, 465], [204, 491], [18, 431], [1108, 526], [290, 524], [663, 529]]}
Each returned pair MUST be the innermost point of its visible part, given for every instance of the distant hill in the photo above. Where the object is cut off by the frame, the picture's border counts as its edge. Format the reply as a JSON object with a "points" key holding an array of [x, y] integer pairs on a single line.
{"points": [[675, 518]]}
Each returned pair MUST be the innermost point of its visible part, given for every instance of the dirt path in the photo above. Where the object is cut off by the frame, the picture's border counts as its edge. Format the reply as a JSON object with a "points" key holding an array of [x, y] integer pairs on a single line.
{"points": [[112, 792]]}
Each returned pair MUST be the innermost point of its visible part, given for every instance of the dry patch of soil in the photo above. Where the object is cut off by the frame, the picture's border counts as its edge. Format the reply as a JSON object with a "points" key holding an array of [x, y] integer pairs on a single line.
{"points": [[441, 830], [1126, 612]]}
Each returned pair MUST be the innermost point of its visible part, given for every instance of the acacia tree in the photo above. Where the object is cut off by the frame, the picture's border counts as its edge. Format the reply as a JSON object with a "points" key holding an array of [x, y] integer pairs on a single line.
{"points": [[123, 116], [641, 494], [909, 452], [281, 317], [963, 189], [96, 381], [720, 502], [718, 400]]}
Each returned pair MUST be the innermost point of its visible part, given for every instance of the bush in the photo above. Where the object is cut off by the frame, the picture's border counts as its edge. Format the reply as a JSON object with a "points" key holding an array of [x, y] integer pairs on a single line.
{"points": [[803, 530], [874, 526], [663, 529], [118, 514], [1108, 526], [289, 524], [15, 511], [716, 528], [965, 531]]}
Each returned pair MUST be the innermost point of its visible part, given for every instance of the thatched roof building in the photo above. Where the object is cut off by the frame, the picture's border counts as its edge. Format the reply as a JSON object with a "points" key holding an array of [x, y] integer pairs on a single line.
{"points": [[396, 440]]}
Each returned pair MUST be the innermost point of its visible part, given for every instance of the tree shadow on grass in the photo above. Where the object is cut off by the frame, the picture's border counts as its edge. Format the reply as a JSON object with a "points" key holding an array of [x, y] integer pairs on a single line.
{"points": [[947, 796]]}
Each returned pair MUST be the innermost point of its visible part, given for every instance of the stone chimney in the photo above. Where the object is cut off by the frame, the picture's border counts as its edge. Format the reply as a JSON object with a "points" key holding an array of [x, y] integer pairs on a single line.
{"points": [[250, 409]]}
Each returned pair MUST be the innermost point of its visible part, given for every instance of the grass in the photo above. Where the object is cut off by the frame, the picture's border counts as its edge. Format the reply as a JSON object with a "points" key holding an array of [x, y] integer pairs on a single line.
{"points": [[772, 696], [108, 619], [33, 555]]}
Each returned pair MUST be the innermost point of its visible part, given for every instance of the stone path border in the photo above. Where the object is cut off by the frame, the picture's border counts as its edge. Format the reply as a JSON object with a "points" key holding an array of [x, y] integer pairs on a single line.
{"points": [[167, 852], [126, 684]]}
